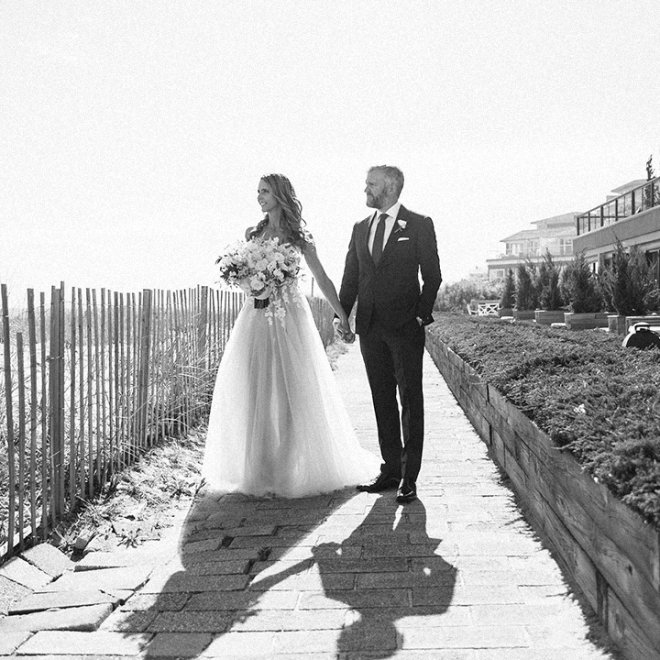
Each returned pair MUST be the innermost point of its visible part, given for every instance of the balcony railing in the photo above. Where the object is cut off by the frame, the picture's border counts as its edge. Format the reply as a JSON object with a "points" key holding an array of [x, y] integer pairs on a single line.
{"points": [[634, 201]]}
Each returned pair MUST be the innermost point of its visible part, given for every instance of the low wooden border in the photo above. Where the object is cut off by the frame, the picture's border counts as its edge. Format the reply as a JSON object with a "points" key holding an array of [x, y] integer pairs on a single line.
{"points": [[606, 548]]}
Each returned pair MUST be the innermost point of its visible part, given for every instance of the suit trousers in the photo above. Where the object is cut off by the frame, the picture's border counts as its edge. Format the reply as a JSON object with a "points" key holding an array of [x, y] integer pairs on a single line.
{"points": [[393, 359]]}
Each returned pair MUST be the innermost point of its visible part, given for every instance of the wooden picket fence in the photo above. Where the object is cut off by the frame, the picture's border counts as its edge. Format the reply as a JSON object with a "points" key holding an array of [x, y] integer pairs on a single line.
{"points": [[97, 380]]}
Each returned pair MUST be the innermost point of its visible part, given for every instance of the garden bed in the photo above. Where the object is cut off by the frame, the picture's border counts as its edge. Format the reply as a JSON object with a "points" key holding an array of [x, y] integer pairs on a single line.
{"points": [[594, 412], [593, 397]]}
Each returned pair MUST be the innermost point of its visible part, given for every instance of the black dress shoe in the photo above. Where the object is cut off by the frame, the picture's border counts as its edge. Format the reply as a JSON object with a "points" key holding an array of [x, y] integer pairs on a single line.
{"points": [[380, 483], [407, 491]]}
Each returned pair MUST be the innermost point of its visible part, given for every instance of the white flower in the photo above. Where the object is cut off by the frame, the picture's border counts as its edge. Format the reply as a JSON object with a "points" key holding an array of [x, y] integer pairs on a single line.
{"points": [[262, 268], [401, 224]]}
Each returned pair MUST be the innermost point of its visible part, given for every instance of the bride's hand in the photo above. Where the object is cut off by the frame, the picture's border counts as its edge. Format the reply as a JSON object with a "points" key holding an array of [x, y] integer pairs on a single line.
{"points": [[344, 329]]}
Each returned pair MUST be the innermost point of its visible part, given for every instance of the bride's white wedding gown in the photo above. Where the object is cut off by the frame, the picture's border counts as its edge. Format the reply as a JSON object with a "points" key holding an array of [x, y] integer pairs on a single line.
{"points": [[278, 425]]}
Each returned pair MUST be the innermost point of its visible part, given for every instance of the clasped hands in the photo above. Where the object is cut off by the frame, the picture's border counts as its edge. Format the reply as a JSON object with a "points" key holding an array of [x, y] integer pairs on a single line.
{"points": [[343, 328]]}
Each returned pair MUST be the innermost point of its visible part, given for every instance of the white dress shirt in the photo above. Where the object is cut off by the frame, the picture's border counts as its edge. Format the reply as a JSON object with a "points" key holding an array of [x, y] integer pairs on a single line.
{"points": [[392, 212]]}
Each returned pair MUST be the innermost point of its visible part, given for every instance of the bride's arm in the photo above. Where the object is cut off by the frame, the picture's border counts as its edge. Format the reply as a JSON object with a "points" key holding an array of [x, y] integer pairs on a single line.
{"points": [[325, 283]]}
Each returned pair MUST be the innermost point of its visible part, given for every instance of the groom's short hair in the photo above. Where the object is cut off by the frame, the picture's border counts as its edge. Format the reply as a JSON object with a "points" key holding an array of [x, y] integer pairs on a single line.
{"points": [[393, 175]]}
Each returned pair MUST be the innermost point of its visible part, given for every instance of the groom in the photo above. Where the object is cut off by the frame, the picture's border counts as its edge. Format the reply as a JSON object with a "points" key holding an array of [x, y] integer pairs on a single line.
{"points": [[387, 252]]}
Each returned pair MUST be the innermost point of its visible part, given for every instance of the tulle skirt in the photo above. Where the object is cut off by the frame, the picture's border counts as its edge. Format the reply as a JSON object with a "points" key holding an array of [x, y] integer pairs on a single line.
{"points": [[278, 425]]}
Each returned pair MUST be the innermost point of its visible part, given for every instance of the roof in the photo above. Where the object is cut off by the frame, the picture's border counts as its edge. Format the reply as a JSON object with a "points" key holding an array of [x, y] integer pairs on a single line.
{"points": [[555, 220], [525, 233], [635, 183]]}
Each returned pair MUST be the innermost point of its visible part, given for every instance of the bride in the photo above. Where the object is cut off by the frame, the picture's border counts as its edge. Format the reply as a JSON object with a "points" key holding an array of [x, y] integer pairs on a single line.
{"points": [[278, 425]]}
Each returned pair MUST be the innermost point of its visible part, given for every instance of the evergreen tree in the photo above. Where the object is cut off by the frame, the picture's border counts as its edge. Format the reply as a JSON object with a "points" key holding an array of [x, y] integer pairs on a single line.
{"points": [[509, 292], [628, 283], [550, 297], [578, 286], [525, 292]]}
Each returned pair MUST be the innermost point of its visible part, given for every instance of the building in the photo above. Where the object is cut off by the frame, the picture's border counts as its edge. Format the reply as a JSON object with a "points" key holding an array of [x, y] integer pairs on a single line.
{"points": [[555, 234], [631, 215]]}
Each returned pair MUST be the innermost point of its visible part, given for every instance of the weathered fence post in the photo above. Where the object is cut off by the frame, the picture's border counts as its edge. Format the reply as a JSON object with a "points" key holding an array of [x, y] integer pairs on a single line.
{"points": [[144, 363], [10, 419]]}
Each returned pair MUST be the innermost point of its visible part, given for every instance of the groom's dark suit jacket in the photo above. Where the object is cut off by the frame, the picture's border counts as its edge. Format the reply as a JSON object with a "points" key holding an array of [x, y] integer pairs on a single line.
{"points": [[391, 291]]}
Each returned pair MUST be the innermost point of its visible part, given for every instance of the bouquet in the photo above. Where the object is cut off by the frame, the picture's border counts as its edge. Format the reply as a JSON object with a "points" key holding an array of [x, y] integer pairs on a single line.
{"points": [[261, 268]]}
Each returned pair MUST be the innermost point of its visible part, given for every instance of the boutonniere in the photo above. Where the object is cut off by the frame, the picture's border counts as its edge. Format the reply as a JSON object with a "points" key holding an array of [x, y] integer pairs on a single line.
{"points": [[400, 225]]}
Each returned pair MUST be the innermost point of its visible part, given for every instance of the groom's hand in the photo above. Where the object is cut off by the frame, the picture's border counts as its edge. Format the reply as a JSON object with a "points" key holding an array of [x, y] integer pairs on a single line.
{"points": [[344, 331], [348, 337]]}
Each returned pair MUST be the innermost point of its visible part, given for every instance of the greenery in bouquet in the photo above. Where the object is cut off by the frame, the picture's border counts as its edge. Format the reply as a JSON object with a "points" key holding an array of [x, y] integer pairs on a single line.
{"points": [[258, 266]]}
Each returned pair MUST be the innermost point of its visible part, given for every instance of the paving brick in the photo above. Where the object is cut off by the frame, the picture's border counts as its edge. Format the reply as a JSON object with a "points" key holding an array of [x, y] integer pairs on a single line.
{"points": [[10, 641], [61, 600], [416, 617], [223, 554], [304, 552], [186, 621], [178, 645], [49, 559], [117, 559], [466, 595], [406, 550], [586, 651], [21, 572], [236, 567], [158, 602], [307, 582], [381, 565], [274, 620], [97, 643], [421, 654], [369, 634], [88, 617], [243, 601], [366, 598], [209, 545], [130, 577], [466, 637], [11, 592], [241, 645], [271, 542], [310, 641], [410, 579], [129, 621], [182, 582]]}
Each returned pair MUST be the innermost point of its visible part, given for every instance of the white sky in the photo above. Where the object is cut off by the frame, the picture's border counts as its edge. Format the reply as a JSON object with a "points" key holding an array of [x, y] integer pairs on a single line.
{"points": [[133, 134]]}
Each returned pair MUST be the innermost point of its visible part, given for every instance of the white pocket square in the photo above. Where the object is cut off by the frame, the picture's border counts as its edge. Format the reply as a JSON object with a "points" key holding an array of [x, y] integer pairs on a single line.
{"points": [[403, 238]]}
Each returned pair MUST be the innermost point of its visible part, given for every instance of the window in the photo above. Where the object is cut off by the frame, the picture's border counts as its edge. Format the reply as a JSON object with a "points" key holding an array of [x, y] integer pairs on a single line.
{"points": [[565, 246]]}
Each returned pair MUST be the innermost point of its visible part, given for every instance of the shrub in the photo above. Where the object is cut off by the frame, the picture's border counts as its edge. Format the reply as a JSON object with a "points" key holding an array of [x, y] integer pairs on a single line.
{"points": [[550, 297], [579, 288], [594, 398], [628, 284], [509, 292], [526, 296]]}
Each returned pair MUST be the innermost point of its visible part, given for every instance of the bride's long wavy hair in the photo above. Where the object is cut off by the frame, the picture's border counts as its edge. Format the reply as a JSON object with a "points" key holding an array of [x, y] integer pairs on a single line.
{"points": [[291, 219]]}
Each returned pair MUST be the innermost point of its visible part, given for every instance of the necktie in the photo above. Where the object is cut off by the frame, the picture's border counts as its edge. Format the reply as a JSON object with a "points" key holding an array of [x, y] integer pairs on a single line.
{"points": [[377, 248]]}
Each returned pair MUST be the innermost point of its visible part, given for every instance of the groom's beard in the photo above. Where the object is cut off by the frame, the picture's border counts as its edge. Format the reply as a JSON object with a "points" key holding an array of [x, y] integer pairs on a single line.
{"points": [[374, 202]]}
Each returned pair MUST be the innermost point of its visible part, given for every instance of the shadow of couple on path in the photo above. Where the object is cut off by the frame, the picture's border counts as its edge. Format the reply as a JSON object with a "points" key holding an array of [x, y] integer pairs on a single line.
{"points": [[286, 569]]}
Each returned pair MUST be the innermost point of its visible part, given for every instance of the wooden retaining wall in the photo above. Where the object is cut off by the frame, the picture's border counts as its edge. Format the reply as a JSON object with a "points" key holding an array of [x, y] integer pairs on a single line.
{"points": [[606, 548]]}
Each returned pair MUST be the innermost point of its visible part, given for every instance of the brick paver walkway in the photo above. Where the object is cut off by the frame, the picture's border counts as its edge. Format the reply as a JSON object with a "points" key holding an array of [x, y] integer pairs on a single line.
{"points": [[457, 574]]}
